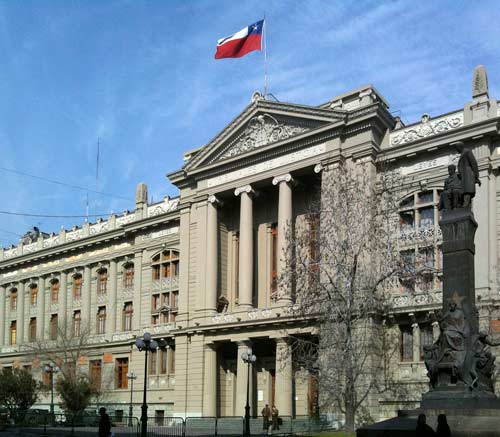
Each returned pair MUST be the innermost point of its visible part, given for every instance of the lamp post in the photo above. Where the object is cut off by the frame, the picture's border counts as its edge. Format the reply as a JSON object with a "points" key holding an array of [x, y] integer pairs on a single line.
{"points": [[131, 376], [51, 369], [248, 358], [145, 344]]}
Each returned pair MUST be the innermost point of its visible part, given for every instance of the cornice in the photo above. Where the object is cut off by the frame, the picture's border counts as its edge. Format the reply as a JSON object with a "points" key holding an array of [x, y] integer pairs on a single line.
{"points": [[277, 108], [262, 154], [464, 133]]}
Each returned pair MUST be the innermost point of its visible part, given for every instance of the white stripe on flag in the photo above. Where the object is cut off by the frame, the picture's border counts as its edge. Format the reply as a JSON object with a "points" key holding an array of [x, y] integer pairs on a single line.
{"points": [[238, 35]]}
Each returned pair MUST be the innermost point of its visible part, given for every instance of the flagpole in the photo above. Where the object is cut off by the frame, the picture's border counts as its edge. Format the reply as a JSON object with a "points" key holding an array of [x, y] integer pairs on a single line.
{"points": [[265, 56]]}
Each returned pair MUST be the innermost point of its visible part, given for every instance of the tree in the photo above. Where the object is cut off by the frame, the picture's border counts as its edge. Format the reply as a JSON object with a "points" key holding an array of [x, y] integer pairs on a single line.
{"points": [[343, 261], [18, 392], [76, 394], [67, 351]]}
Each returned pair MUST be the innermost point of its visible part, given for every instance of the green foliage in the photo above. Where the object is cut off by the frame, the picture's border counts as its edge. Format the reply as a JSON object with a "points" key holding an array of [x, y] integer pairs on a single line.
{"points": [[76, 393], [18, 392]]}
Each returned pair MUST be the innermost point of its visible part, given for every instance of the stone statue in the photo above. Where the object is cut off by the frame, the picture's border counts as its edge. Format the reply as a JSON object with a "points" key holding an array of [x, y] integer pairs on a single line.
{"points": [[483, 361], [30, 236], [431, 356], [452, 341], [450, 197], [469, 174]]}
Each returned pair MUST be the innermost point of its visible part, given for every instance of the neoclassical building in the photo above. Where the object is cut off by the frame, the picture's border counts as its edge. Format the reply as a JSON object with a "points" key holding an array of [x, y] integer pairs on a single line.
{"points": [[200, 271]]}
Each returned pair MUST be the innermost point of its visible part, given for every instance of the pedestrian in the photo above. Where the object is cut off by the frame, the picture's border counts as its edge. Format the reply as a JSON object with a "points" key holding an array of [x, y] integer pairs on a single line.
{"points": [[443, 429], [104, 423], [266, 417], [423, 430], [275, 417]]}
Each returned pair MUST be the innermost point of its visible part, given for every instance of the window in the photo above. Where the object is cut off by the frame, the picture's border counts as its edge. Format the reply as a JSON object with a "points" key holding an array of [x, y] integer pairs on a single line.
{"points": [[101, 320], [314, 246], [32, 329], [13, 299], [171, 354], [121, 373], [53, 327], [13, 332], [128, 276], [95, 372], [406, 343], [128, 311], [165, 265], [54, 291], [46, 379], [77, 286], [274, 259], [152, 363], [164, 307], [163, 361], [159, 417], [426, 338], [102, 280], [33, 295], [118, 416], [420, 239], [77, 321]]}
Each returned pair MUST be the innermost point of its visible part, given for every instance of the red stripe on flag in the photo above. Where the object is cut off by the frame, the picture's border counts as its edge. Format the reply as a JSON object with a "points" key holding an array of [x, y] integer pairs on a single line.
{"points": [[237, 48]]}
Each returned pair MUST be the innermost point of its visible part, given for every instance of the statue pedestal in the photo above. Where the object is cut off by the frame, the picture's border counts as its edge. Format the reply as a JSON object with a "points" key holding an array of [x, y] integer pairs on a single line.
{"points": [[483, 422], [459, 363]]}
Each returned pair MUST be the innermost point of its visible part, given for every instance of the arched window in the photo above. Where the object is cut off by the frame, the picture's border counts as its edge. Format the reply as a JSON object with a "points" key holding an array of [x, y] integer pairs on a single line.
{"points": [[165, 265], [165, 298], [77, 286], [54, 290], [102, 281], [420, 241], [33, 294], [128, 275], [13, 299]]}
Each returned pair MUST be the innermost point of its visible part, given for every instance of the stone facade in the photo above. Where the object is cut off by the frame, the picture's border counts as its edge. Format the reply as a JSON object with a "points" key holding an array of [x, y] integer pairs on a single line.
{"points": [[199, 271]]}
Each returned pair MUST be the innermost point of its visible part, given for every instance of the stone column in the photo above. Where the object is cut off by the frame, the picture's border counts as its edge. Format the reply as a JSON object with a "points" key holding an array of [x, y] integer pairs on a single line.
{"points": [[136, 317], [86, 301], [112, 309], [212, 257], [63, 300], [284, 227], [241, 380], [40, 307], [2, 315], [493, 247], [416, 341], [284, 377], [210, 381], [245, 300], [21, 291]]}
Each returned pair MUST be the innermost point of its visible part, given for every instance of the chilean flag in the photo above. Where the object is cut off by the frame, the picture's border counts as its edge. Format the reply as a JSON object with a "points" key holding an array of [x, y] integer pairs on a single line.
{"points": [[240, 43]]}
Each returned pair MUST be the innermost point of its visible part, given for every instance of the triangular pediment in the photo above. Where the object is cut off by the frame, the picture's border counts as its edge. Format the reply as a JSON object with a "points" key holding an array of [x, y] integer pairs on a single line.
{"points": [[260, 125]]}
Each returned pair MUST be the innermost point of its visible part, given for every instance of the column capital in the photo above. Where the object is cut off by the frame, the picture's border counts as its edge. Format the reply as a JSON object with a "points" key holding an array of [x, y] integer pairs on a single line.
{"points": [[215, 201], [282, 178], [245, 189]]}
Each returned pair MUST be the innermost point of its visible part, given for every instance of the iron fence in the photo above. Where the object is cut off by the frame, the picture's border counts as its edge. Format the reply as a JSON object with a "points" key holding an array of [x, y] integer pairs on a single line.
{"points": [[42, 423]]}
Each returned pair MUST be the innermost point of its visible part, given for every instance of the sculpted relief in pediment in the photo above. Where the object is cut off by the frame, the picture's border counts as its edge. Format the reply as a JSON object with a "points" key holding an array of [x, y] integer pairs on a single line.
{"points": [[261, 130]]}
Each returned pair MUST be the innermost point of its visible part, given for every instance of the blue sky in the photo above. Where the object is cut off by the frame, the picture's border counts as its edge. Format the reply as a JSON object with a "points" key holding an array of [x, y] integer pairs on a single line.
{"points": [[140, 76]]}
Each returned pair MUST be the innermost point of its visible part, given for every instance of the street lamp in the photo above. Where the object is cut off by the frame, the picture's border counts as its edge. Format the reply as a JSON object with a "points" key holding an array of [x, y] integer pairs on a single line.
{"points": [[131, 376], [51, 369], [145, 344], [248, 358]]}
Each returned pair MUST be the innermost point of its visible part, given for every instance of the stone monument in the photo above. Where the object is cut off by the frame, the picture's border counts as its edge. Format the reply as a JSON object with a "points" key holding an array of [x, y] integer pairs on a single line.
{"points": [[460, 364]]}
